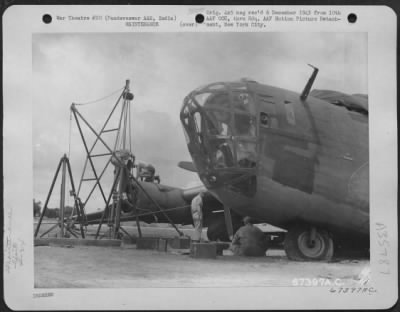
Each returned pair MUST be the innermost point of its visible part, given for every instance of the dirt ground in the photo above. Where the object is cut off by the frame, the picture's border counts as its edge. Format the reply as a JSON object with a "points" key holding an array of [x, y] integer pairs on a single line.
{"points": [[126, 266]]}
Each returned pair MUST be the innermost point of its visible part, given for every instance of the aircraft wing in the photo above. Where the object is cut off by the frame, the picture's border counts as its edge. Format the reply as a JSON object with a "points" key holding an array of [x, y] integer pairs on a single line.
{"points": [[354, 101]]}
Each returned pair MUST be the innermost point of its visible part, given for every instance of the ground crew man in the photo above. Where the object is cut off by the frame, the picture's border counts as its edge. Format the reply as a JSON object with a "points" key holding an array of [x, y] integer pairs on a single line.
{"points": [[123, 161], [197, 215], [249, 240]]}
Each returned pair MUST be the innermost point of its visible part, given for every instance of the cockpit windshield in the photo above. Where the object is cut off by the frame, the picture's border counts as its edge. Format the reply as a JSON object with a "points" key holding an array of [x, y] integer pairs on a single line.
{"points": [[222, 119], [216, 107]]}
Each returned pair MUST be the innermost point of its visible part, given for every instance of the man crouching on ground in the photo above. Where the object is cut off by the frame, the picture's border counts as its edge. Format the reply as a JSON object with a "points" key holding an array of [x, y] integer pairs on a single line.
{"points": [[249, 241]]}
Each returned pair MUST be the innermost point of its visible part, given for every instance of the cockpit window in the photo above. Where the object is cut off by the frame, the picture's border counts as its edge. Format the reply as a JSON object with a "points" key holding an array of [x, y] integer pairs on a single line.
{"points": [[246, 154], [222, 154], [217, 112], [197, 118], [218, 100], [238, 86], [245, 125], [191, 118], [187, 137], [264, 120], [219, 122], [201, 98], [243, 102], [217, 86]]}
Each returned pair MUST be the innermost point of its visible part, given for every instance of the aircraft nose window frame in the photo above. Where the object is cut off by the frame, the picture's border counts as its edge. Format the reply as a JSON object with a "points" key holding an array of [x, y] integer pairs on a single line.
{"points": [[228, 125]]}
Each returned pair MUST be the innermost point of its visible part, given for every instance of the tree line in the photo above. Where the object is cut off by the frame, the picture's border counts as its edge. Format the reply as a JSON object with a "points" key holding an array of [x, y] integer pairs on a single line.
{"points": [[50, 212]]}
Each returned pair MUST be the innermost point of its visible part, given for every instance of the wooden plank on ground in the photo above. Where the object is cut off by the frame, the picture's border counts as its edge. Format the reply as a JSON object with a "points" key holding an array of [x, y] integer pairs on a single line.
{"points": [[77, 242]]}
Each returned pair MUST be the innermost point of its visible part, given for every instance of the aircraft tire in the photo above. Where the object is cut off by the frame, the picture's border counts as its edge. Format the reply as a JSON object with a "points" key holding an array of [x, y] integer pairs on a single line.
{"points": [[297, 248]]}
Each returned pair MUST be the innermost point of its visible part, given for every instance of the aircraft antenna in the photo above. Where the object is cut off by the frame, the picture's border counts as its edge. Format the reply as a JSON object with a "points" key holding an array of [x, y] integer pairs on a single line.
{"points": [[309, 84]]}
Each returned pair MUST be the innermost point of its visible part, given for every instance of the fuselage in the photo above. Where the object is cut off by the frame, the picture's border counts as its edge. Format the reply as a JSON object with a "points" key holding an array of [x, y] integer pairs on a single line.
{"points": [[265, 153]]}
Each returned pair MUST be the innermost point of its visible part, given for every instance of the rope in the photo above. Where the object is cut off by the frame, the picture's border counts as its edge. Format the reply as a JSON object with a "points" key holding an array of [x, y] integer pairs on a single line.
{"points": [[149, 213], [103, 98], [155, 212]]}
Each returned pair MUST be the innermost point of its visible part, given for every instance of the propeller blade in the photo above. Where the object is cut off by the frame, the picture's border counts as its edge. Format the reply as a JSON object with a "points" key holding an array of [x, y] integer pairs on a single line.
{"points": [[187, 165], [189, 193]]}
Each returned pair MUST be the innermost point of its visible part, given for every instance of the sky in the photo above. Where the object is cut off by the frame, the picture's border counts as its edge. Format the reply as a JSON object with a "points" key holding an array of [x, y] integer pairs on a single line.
{"points": [[163, 68]]}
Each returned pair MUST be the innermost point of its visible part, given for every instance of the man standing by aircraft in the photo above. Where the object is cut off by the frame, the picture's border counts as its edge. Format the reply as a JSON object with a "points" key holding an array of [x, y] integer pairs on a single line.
{"points": [[197, 215], [123, 161], [249, 240]]}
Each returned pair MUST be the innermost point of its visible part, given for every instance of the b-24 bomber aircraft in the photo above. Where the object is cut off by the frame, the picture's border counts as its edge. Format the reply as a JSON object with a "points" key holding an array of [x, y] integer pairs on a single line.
{"points": [[295, 161]]}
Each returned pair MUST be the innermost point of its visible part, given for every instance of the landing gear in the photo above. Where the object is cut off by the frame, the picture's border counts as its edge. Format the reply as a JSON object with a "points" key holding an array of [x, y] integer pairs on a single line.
{"points": [[304, 243], [217, 229]]}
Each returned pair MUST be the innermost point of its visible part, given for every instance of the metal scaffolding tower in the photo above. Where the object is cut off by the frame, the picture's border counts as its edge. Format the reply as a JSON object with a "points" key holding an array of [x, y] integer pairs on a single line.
{"points": [[113, 202], [78, 207]]}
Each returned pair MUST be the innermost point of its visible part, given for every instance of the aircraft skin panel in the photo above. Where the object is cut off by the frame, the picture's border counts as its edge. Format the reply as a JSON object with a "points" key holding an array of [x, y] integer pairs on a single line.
{"points": [[358, 187], [314, 167], [282, 206], [342, 153]]}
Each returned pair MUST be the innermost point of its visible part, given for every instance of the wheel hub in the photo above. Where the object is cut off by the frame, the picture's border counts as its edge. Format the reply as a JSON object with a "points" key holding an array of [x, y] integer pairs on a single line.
{"points": [[311, 248]]}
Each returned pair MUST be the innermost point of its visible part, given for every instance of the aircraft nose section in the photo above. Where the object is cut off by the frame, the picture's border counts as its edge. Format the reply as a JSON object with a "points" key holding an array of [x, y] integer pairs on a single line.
{"points": [[219, 121]]}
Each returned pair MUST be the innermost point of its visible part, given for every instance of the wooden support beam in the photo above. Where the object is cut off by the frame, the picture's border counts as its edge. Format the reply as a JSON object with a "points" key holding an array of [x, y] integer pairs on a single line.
{"points": [[77, 242]]}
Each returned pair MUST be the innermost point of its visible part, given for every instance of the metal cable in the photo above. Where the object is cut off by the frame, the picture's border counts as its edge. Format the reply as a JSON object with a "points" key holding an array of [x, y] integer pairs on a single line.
{"points": [[103, 98], [150, 212]]}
